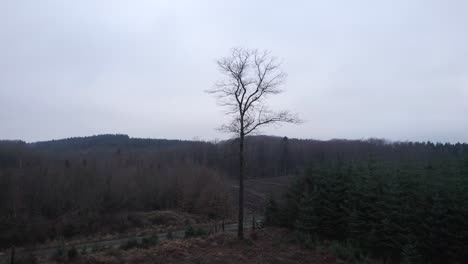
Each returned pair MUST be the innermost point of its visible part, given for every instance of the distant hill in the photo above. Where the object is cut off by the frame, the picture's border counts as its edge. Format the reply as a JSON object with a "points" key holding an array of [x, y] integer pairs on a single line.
{"points": [[266, 156], [109, 142]]}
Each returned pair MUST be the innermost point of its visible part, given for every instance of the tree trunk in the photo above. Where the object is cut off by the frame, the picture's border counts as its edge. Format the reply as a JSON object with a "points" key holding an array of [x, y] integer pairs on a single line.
{"points": [[240, 227]]}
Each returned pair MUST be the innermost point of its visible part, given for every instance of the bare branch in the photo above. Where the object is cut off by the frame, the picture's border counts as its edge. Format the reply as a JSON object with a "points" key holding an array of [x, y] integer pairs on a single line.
{"points": [[250, 76], [270, 118]]}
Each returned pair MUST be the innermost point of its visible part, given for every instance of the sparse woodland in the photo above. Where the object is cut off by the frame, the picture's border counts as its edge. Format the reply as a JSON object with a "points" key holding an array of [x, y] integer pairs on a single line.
{"points": [[46, 193]]}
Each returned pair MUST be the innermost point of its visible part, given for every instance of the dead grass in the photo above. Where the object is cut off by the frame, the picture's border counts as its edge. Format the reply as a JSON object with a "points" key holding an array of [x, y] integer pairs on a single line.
{"points": [[138, 224], [271, 245]]}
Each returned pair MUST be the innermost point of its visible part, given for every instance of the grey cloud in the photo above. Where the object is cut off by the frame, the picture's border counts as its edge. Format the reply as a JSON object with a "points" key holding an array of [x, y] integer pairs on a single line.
{"points": [[356, 69]]}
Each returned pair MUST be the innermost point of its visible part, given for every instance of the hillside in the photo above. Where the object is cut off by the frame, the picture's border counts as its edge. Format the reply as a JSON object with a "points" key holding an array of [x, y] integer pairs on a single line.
{"points": [[332, 190]]}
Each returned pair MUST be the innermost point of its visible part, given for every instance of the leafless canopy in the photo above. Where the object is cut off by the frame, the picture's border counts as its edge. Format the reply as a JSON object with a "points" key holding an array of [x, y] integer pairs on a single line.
{"points": [[250, 76]]}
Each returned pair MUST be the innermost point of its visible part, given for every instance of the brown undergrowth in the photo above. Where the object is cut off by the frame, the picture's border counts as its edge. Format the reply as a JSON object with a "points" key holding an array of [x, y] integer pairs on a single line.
{"points": [[270, 245]]}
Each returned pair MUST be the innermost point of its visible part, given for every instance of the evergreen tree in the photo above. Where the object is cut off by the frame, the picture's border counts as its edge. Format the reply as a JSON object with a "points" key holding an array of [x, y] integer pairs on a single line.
{"points": [[410, 253], [308, 221]]}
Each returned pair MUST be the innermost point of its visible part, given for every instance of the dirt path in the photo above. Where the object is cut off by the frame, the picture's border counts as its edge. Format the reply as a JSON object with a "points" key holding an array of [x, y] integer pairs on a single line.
{"points": [[92, 246]]}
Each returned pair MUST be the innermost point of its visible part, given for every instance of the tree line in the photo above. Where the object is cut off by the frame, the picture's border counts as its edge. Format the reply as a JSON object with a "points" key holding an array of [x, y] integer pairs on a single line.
{"points": [[77, 182]]}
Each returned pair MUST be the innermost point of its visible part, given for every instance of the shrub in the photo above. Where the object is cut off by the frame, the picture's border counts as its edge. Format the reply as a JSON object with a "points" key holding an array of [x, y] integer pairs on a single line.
{"points": [[59, 254], [308, 240], [189, 231], [271, 213], [72, 253], [194, 232], [170, 236], [410, 254], [28, 259], [346, 251], [150, 241], [114, 253], [199, 260], [131, 243]]}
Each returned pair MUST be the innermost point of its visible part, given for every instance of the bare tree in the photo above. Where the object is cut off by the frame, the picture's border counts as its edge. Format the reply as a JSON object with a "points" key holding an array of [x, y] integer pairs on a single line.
{"points": [[250, 77]]}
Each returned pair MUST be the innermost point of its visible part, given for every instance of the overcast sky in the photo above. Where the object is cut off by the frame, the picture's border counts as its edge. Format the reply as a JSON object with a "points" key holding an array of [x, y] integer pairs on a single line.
{"points": [[356, 69]]}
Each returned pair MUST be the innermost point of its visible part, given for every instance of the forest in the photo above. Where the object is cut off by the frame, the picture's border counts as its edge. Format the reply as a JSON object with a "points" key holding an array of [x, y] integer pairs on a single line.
{"points": [[408, 210], [402, 201]]}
